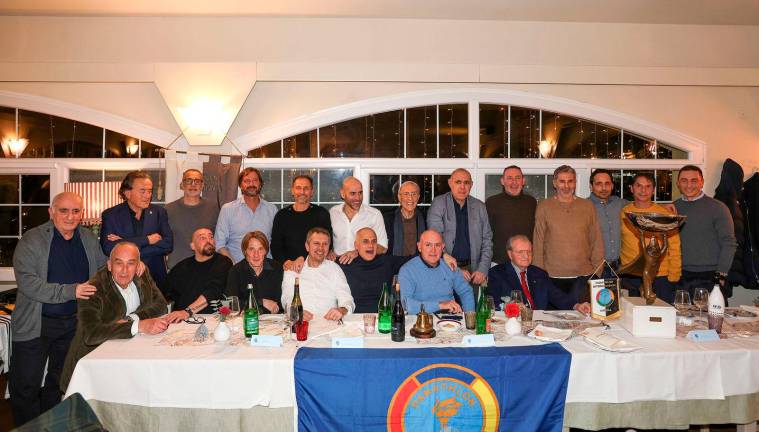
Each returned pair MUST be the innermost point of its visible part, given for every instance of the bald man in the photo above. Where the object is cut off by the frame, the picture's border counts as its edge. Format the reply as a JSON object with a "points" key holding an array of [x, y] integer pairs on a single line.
{"points": [[352, 215], [424, 281], [122, 306], [463, 221], [52, 264]]}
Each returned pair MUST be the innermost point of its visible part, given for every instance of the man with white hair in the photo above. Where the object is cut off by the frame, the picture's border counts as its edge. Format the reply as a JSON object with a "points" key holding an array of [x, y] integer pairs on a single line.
{"points": [[405, 224], [52, 264]]}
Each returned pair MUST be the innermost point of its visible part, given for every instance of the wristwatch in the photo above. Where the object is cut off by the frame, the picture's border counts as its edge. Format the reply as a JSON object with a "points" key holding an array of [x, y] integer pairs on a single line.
{"points": [[189, 312]]}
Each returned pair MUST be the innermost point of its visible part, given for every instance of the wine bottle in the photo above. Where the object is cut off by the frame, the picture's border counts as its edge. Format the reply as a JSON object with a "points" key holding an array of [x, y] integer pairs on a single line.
{"points": [[716, 307], [250, 319], [398, 333], [483, 313], [297, 304], [385, 311]]}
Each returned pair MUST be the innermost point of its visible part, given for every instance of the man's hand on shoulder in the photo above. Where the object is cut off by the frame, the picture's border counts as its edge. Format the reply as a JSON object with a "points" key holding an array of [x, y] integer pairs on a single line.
{"points": [[141, 268], [295, 265], [84, 291], [153, 325], [451, 261], [348, 257]]}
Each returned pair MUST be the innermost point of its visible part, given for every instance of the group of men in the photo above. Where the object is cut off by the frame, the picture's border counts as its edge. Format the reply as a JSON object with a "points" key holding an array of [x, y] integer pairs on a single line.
{"points": [[341, 257]]}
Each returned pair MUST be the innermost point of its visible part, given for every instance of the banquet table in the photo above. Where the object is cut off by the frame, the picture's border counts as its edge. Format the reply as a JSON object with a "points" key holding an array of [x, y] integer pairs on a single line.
{"points": [[166, 382]]}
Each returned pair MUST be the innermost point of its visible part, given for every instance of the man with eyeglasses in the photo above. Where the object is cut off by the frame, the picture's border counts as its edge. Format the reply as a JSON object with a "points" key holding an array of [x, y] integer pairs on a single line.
{"points": [[462, 220], [52, 264], [405, 224], [518, 273], [188, 214], [511, 212]]}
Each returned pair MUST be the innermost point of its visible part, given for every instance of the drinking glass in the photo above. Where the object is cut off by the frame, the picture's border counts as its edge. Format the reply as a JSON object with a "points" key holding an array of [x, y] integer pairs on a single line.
{"points": [[301, 331], [516, 297], [286, 319], [370, 321], [234, 306], [491, 305], [701, 299], [682, 302]]}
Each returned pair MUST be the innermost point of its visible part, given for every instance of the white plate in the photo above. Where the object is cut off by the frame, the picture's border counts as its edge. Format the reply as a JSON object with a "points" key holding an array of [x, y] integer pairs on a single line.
{"points": [[271, 317], [448, 325]]}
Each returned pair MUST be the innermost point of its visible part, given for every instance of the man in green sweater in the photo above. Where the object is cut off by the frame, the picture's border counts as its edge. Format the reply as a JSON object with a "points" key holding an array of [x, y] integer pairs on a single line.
{"points": [[708, 238]]}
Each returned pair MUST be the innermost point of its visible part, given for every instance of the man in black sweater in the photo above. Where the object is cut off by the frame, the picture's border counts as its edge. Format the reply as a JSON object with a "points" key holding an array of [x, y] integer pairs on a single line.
{"points": [[198, 280], [708, 238], [288, 234], [511, 212], [368, 271]]}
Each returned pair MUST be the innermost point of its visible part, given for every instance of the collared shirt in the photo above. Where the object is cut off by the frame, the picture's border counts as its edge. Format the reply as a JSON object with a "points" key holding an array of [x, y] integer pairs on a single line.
{"points": [[610, 224], [131, 301], [461, 248], [697, 197], [321, 288], [237, 219], [344, 230], [67, 264]]}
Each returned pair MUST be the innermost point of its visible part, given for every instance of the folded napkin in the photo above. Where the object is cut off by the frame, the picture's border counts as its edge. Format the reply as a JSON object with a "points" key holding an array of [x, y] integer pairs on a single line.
{"points": [[599, 338], [550, 334]]}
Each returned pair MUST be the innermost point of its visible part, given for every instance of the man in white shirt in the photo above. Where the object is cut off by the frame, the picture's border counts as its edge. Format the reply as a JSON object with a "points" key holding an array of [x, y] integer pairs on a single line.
{"points": [[122, 305], [351, 216], [323, 286]]}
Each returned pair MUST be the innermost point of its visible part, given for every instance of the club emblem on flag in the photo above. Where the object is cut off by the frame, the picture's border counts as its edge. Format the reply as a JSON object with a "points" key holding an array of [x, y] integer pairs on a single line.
{"points": [[444, 397]]}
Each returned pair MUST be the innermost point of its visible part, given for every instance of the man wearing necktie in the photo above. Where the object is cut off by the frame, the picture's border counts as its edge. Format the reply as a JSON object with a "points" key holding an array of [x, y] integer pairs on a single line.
{"points": [[519, 274]]}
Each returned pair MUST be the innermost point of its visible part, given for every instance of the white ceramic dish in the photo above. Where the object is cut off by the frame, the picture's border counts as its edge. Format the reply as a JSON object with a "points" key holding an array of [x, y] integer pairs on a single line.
{"points": [[448, 325]]}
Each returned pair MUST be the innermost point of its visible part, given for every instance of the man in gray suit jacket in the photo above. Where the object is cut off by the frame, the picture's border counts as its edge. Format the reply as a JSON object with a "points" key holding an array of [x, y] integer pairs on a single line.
{"points": [[463, 222], [52, 264]]}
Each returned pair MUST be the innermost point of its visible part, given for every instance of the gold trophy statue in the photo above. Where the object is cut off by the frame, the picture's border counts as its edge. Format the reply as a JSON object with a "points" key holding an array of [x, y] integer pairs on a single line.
{"points": [[653, 246]]}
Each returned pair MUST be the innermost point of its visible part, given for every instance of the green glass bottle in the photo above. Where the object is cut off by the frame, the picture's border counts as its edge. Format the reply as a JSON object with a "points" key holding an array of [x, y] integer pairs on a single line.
{"points": [[385, 311], [250, 319], [483, 313]]}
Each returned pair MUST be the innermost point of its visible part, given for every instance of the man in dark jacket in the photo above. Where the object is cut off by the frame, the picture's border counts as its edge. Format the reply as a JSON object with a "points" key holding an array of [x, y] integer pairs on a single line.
{"points": [[519, 274], [123, 306], [406, 224]]}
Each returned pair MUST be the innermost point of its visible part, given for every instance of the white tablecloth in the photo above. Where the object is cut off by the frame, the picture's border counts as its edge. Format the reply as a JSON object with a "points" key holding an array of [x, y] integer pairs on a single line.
{"points": [[5, 342], [139, 372]]}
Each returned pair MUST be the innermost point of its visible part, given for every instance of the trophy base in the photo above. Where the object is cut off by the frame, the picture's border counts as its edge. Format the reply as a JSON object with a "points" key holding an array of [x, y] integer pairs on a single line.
{"points": [[419, 335], [643, 320]]}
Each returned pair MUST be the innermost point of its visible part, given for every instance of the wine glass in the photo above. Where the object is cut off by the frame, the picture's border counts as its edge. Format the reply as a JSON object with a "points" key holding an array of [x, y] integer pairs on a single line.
{"points": [[234, 306], [701, 299], [491, 305], [516, 297], [682, 302]]}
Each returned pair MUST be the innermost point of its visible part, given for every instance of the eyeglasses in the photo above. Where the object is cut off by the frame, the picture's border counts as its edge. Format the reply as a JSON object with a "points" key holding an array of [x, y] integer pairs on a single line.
{"points": [[189, 181], [195, 320]]}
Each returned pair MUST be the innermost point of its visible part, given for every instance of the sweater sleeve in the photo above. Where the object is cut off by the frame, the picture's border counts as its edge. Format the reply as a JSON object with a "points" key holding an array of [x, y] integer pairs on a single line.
{"points": [[538, 237], [596, 240], [674, 259], [723, 223]]}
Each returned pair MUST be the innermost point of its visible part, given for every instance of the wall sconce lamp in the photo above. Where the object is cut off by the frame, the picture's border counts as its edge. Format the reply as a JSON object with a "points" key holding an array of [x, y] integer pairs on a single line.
{"points": [[16, 145], [547, 149], [132, 148]]}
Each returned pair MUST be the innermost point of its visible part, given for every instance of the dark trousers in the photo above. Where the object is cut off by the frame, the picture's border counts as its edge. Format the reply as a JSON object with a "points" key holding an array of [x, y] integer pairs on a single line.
{"points": [[576, 286], [663, 288], [27, 366]]}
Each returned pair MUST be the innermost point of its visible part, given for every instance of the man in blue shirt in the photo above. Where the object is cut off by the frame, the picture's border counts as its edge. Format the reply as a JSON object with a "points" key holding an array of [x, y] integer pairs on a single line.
{"points": [[425, 281], [246, 214], [608, 207]]}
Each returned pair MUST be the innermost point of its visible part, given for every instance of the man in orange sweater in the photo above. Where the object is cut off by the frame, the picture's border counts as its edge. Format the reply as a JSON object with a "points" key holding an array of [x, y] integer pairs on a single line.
{"points": [[671, 264]]}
